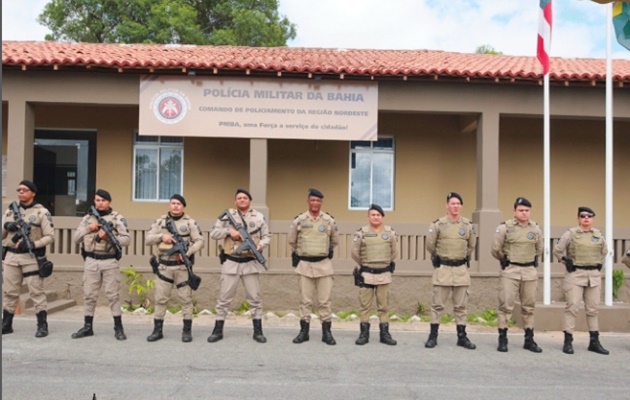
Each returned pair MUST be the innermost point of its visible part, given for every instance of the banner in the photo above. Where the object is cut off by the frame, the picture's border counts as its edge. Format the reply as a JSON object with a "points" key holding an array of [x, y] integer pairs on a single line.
{"points": [[258, 108]]}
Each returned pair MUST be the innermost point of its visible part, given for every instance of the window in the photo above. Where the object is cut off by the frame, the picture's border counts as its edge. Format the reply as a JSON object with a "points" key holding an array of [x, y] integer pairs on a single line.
{"points": [[372, 173], [151, 182]]}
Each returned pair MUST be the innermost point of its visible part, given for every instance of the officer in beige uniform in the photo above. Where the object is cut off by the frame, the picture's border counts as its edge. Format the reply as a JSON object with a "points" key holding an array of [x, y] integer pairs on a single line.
{"points": [[101, 265], [451, 241], [171, 270], [582, 250], [240, 266], [312, 237], [19, 265], [374, 248], [518, 245]]}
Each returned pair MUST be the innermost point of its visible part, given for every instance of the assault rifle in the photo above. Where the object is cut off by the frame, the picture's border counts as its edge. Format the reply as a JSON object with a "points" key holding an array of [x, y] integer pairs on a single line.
{"points": [[181, 246], [248, 242], [23, 230], [107, 227]]}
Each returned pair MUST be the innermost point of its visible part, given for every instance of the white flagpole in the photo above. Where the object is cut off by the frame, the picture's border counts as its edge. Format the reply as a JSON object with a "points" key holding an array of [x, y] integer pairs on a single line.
{"points": [[547, 197], [608, 299]]}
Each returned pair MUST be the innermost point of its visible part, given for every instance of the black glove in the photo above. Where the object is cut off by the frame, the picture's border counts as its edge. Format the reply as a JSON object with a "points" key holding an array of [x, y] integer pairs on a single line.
{"points": [[504, 262], [11, 226], [23, 247]]}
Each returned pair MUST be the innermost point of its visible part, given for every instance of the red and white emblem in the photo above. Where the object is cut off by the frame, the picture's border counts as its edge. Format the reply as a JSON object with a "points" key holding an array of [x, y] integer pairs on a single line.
{"points": [[169, 106]]}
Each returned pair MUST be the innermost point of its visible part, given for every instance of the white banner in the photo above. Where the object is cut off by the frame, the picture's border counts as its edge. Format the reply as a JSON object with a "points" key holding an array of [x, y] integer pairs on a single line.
{"points": [[258, 108]]}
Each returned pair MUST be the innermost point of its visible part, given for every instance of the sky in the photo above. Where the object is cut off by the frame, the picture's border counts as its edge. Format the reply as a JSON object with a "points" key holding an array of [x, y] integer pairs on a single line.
{"points": [[509, 26]]}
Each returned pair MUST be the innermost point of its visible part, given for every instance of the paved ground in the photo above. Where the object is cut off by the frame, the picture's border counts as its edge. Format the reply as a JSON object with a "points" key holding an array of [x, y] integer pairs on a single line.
{"points": [[58, 367]]}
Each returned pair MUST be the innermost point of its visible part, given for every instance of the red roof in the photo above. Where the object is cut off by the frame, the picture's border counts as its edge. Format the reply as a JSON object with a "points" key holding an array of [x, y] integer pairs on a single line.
{"points": [[352, 63]]}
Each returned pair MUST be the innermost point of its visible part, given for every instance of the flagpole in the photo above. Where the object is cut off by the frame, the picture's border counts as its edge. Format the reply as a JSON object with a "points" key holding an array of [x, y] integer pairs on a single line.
{"points": [[547, 197], [608, 298]]}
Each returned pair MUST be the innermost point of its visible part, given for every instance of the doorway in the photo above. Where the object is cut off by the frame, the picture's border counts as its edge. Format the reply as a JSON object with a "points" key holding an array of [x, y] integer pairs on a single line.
{"points": [[65, 170]]}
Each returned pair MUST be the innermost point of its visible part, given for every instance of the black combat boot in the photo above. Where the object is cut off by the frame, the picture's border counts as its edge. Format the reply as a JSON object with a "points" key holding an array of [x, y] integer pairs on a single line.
{"points": [[258, 333], [217, 333], [503, 341], [42, 325], [529, 341], [462, 339], [156, 335], [119, 332], [385, 336], [594, 344], [432, 340], [364, 336], [86, 330], [568, 343], [303, 335], [187, 331], [327, 336], [7, 322]]}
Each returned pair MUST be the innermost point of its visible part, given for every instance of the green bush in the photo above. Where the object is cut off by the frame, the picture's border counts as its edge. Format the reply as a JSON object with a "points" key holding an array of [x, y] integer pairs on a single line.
{"points": [[617, 283]]}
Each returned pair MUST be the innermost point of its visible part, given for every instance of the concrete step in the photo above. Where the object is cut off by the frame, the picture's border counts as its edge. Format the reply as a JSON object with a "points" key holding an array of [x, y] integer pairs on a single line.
{"points": [[52, 306]]}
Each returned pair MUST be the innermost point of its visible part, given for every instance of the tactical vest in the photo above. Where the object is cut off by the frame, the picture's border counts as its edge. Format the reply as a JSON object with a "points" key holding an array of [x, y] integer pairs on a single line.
{"points": [[452, 241], [34, 216], [314, 240], [253, 226], [520, 242], [585, 248], [183, 229], [376, 247], [91, 244]]}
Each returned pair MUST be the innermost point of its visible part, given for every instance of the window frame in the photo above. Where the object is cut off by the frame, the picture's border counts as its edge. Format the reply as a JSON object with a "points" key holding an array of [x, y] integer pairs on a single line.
{"points": [[372, 151], [157, 146]]}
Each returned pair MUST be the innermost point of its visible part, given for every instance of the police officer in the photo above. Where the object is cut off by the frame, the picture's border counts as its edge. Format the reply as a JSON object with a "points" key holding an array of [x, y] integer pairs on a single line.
{"points": [[312, 237], [19, 264], [374, 248], [101, 262], [171, 270], [240, 266], [518, 245], [582, 249], [626, 259], [451, 241]]}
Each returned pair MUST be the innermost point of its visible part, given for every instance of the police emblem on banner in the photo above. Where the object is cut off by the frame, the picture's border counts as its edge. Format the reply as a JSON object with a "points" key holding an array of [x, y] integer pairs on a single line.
{"points": [[170, 106], [461, 232], [530, 235], [321, 228]]}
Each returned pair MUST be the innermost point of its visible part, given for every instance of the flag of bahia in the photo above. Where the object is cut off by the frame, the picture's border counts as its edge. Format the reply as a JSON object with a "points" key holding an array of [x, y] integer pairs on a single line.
{"points": [[621, 21], [170, 106], [544, 34]]}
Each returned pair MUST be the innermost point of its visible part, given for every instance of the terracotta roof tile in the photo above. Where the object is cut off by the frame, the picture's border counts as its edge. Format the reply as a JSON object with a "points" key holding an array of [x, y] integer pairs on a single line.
{"points": [[356, 62]]}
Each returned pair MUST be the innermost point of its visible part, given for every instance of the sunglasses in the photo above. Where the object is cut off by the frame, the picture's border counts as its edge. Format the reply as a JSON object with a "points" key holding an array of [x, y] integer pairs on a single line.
{"points": [[589, 215], [20, 190]]}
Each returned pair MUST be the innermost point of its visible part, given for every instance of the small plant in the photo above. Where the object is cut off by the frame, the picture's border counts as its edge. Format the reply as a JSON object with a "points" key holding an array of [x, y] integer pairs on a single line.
{"points": [[421, 309], [138, 285], [446, 318], [242, 308], [486, 317], [346, 314], [617, 282]]}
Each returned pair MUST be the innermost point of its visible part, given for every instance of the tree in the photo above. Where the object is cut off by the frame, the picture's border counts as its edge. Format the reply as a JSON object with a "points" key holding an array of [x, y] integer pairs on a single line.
{"points": [[218, 22], [486, 49]]}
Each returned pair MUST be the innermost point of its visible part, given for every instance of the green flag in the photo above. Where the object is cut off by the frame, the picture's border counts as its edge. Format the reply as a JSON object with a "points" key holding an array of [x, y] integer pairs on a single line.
{"points": [[621, 22]]}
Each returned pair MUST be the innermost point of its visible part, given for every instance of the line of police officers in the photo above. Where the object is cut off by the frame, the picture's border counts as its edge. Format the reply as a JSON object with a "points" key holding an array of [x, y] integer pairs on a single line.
{"points": [[312, 237]]}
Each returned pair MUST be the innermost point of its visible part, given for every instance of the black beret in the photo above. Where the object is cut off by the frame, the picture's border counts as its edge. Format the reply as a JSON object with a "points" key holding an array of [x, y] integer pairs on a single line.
{"points": [[239, 190], [377, 208], [450, 195], [179, 198], [585, 209], [104, 194], [522, 201], [315, 193], [30, 185]]}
